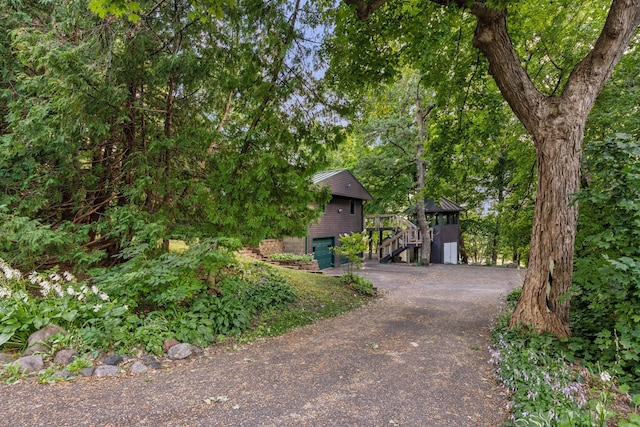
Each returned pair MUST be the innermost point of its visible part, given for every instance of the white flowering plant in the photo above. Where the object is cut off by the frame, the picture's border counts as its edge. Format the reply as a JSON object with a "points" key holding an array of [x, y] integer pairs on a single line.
{"points": [[30, 301]]}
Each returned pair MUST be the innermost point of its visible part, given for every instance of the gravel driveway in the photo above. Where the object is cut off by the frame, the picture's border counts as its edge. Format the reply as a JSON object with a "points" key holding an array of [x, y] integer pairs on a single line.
{"points": [[415, 357]]}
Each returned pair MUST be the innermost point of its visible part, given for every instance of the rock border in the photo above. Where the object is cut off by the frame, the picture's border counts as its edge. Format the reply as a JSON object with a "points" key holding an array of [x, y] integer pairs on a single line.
{"points": [[31, 361]]}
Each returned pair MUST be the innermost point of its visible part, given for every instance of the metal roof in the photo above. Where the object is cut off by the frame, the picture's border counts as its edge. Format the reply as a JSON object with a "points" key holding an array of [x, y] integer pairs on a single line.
{"points": [[445, 205], [342, 183], [432, 207], [321, 176]]}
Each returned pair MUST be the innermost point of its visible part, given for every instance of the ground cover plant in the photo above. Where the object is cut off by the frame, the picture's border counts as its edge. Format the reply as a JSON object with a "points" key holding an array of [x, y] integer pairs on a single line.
{"points": [[201, 295], [547, 386]]}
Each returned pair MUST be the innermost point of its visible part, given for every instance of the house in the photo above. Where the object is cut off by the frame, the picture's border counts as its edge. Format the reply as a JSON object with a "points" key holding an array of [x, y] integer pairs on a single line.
{"points": [[445, 220], [343, 214], [403, 240]]}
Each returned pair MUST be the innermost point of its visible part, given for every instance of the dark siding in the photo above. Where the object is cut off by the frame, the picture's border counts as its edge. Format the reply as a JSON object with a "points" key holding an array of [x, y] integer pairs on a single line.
{"points": [[346, 185], [335, 222], [443, 234]]}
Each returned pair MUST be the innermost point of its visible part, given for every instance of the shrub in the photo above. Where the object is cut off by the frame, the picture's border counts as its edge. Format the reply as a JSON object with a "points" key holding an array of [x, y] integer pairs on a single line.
{"points": [[545, 386], [358, 283], [605, 315], [291, 257], [192, 296], [352, 246], [28, 304]]}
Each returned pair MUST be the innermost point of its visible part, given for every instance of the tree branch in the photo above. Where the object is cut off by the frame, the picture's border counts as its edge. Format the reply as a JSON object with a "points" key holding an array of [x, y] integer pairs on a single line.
{"points": [[492, 39], [590, 75]]}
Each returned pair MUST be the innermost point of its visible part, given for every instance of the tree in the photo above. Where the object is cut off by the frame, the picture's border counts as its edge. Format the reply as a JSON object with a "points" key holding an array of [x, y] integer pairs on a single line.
{"points": [[474, 152], [117, 133], [393, 133], [556, 123], [352, 246]]}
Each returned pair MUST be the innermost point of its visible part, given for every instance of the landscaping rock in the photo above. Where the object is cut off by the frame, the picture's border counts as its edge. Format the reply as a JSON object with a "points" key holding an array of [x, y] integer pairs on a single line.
{"points": [[32, 363], [182, 351], [106, 371], [138, 368], [36, 339], [151, 362], [6, 358], [66, 356], [169, 343], [114, 359], [86, 372]]}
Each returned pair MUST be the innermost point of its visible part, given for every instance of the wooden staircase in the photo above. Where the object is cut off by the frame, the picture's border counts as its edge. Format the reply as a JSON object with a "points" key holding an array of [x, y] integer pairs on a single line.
{"points": [[405, 234]]}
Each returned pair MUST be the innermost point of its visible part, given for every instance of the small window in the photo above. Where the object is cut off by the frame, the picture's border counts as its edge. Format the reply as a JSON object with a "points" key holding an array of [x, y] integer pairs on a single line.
{"points": [[352, 207]]}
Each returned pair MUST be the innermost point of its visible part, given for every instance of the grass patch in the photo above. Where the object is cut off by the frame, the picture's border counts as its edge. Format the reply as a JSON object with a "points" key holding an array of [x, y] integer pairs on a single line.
{"points": [[318, 297]]}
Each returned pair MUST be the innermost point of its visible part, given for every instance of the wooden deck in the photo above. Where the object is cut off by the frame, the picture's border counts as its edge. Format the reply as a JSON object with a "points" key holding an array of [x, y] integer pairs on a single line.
{"points": [[405, 235]]}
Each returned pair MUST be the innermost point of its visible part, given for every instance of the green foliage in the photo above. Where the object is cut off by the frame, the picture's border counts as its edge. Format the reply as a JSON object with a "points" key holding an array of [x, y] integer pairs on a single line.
{"points": [[115, 134], [352, 246], [474, 150], [615, 110], [358, 283], [11, 373], [193, 296], [546, 387], [291, 257], [26, 241], [606, 292], [318, 297], [27, 305], [539, 376]]}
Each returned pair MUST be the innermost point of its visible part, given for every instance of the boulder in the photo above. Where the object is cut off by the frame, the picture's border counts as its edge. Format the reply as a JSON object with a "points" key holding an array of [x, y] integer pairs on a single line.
{"points": [[182, 351], [151, 362], [112, 359], [65, 356], [169, 343], [86, 372], [31, 363], [6, 358], [105, 371], [36, 339], [138, 368]]}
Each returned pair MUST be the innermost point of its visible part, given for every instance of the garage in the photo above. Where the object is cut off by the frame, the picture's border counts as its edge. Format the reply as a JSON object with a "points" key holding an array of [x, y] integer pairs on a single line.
{"points": [[322, 251]]}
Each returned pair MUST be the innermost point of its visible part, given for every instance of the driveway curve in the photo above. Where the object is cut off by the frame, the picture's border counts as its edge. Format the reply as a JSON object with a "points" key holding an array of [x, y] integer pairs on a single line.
{"points": [[415, 357]]}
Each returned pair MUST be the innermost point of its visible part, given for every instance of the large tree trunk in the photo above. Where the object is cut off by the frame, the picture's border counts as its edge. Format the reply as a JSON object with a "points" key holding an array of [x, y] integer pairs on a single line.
{"points": [[554, 227]]}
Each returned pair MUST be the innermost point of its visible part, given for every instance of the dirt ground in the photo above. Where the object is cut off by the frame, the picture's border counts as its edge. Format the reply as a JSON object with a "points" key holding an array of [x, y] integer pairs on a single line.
{"points": [[417, 356]]}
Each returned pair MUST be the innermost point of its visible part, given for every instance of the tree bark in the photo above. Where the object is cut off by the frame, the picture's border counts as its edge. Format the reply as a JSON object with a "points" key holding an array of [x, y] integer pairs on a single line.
{"points": [[425, 232], [554, 228]]}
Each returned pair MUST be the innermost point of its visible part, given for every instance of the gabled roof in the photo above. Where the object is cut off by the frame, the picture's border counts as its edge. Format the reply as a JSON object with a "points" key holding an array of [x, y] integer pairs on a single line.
{"points": [[342, 183], [445, 205], [431, 207]]}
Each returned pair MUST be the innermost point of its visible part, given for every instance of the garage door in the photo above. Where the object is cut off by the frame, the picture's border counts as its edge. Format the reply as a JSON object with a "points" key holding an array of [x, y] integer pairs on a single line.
{"points": [[322, 251], [451, 253]]}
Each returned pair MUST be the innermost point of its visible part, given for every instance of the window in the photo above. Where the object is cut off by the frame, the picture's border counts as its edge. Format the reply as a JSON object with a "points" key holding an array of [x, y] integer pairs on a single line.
{"points": [[352, 207]]}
